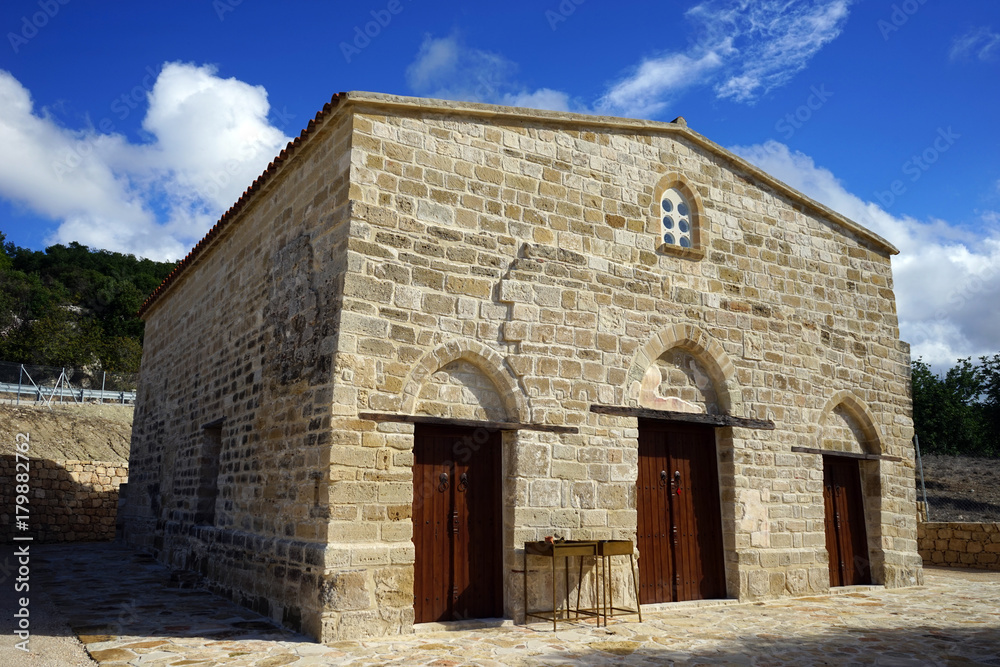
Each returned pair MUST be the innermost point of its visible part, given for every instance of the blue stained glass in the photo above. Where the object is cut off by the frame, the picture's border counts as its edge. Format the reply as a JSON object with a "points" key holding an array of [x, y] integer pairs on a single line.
{"points": [[683, 226], [682, 208], [685, 242], [668, 238], [668, 222], [667, 205]]}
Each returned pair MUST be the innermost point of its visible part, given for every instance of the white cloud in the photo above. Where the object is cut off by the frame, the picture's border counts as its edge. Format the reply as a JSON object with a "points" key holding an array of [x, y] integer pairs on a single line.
{"points": [[981, 43], [947, 279], [448, 69], [436, 60], [210, 138], [742, 48], [646, 92], [543, 98]]}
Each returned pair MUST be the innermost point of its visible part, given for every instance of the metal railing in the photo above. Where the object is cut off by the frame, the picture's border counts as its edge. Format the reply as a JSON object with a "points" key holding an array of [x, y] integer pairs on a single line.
{"points": [[48, 384]]}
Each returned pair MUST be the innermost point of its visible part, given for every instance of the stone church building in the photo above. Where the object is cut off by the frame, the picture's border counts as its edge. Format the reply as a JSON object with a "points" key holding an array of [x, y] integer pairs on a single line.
{"points": [[434, 331]]}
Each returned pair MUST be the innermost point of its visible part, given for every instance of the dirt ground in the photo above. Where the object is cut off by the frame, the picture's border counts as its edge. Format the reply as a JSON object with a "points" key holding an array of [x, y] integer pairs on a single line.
{"points": [[79, 432], [961, 488]]}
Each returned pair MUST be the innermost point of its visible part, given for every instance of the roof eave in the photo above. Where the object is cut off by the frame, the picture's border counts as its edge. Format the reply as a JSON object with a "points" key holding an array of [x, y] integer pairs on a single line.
{"points": [[341, 101]]}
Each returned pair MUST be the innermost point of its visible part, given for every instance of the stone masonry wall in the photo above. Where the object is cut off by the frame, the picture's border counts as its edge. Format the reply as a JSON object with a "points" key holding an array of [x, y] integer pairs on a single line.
{"points": [[452, 260], [975, 545], [244, 342], [68, 501], [529, 248]]}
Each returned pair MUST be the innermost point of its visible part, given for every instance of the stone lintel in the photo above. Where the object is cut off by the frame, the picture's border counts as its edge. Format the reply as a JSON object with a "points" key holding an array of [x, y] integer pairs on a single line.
{"points": [[672, 415], [472, 423], [849, 455]]}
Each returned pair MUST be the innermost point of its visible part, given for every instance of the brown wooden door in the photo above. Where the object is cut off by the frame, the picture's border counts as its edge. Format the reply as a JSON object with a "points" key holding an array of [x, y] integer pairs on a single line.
{"points": [[680, 521], [846, 537], [456, 524]]}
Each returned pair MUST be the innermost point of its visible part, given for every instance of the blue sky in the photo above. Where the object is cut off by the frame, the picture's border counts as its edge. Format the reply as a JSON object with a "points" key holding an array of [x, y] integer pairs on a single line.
{"points": [[132, 126]]}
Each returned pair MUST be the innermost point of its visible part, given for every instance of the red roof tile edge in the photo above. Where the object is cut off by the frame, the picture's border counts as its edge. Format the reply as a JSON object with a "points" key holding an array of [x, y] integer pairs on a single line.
{"points": [[244, 199]]}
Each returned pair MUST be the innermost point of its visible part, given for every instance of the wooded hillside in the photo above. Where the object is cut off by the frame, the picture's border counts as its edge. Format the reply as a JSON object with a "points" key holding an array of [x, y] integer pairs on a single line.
{"points": [[73, 306]]}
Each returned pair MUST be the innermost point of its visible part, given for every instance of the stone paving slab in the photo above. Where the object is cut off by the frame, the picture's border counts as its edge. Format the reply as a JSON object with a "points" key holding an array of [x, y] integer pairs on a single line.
{"points": [[125, 609]]}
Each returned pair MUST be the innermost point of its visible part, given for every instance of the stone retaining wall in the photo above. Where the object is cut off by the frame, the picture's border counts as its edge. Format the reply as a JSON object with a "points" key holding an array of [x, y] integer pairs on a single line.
{"points": [[974, 545], [69, 501]]}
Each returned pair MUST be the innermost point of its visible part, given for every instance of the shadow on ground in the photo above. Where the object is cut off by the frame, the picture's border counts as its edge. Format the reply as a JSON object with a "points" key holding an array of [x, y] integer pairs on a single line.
{"points": [[118, 601]]}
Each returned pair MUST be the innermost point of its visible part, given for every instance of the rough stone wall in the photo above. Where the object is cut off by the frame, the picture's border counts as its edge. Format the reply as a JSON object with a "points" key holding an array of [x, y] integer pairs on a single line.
{"points": [[68, 501], [684, 378], [509, 267], [460, 391], [530, 249], [842, 433], [957, 544], [246, 337]]}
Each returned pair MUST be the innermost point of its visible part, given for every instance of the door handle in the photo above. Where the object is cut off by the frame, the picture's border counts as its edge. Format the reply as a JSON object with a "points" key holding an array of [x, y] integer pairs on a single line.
{"points": [[663, 478], [443, 482], [463, 482], [677, 482]]}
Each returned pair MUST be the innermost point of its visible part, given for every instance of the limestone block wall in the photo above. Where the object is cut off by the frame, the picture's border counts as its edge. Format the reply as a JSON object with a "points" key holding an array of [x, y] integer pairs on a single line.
{"points": [[958, 544], [242, 344], [529, 248], [466, 262], [68, 501]]}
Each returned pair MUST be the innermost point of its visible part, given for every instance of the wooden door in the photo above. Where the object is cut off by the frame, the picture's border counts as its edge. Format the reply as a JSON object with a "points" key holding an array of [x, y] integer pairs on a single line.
{"points": [[846, 537], [456, 524], [679, 516]]}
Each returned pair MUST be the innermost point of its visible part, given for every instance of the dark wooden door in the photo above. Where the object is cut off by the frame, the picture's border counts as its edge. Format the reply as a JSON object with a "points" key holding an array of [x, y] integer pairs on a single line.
{"points": [[679, 516], [456, 524], [846, 537]]}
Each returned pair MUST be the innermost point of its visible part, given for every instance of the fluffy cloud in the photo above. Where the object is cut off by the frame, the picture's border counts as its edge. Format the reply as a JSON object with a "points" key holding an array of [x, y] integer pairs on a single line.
{"points": [[743, 49], [944, 275], [981, 43], [210, 138], [448, 69]]}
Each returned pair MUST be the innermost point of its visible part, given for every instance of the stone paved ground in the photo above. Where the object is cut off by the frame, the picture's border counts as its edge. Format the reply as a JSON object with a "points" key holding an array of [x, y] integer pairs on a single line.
{"points": [[125, 609]]}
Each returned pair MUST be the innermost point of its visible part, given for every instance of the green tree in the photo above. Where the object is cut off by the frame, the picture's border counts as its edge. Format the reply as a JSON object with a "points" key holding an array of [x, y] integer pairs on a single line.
{"points": [[954, 414], [990, 373]]}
